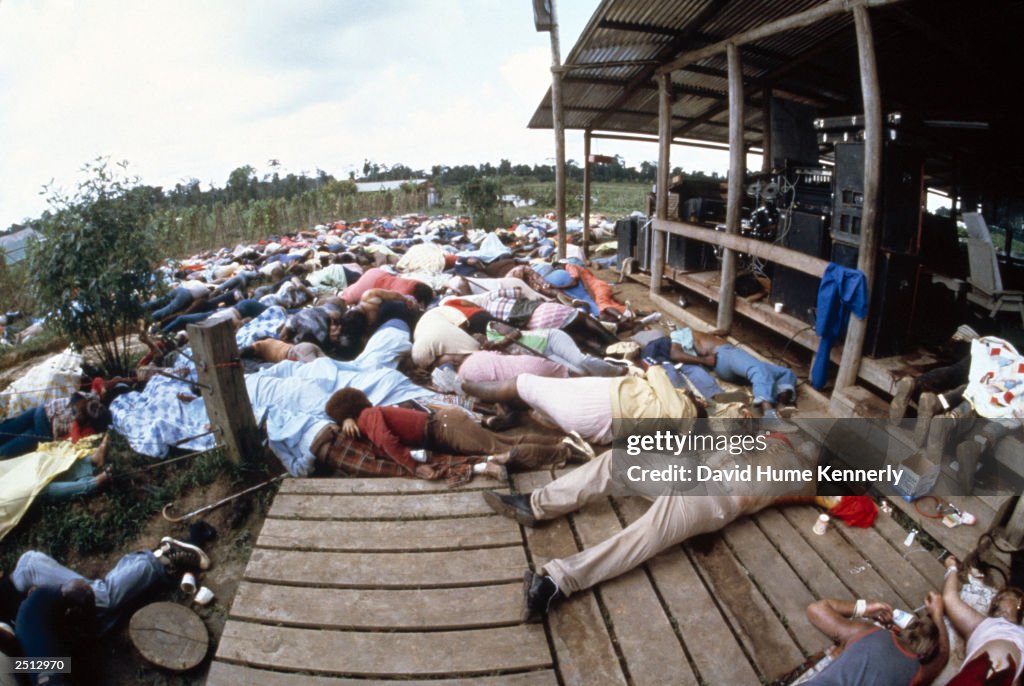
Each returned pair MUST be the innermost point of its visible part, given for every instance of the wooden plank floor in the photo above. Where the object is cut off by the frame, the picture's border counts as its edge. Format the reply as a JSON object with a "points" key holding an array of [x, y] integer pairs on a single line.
{"points": [[374, 581]]}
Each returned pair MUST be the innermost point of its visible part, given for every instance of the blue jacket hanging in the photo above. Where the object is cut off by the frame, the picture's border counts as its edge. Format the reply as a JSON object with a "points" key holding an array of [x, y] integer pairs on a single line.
{"points": [[842, 291]]}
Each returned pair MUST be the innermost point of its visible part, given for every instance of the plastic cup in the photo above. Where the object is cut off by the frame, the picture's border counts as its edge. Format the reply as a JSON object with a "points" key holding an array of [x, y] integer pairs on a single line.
{"points": [[203, 596], [188, 583]]}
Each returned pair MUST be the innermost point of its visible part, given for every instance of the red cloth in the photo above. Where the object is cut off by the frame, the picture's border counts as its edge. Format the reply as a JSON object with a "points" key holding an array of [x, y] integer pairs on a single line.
{"points": [[98, 385], [466, 308], [975, 673], [856, 510], [394, 430], [78, 433]]}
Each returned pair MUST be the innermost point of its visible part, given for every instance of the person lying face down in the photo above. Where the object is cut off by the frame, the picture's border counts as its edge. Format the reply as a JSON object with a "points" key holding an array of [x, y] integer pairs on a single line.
{"points": [[670, 520], [398, 431]]}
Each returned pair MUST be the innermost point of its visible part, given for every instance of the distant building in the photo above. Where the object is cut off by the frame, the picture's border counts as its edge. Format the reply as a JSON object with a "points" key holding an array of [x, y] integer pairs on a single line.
{"points": [[14, 245], [378, 186], [516, 201]]}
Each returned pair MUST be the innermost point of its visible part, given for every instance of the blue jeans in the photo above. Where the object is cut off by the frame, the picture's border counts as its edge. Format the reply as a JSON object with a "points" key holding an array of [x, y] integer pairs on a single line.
{"points": [[768, 380], [134, 575], [660, 350], [179, 322], [175, 301], [21, 434], [78, 480], [240, 280]]}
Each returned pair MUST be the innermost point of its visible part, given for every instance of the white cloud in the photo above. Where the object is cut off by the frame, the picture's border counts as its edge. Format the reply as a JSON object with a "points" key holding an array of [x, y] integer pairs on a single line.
{"points": [[195, 89]]}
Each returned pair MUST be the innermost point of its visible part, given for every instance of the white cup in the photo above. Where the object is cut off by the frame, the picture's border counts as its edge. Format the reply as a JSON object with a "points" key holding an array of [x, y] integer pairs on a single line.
{"points": [[203, 596], [188, 583], [778, 308]]}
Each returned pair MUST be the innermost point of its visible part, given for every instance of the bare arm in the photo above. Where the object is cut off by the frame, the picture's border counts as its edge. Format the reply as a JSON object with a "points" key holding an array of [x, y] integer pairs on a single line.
{"points": [[835, 618], [965, 619], [932, 668], [676, 354]]}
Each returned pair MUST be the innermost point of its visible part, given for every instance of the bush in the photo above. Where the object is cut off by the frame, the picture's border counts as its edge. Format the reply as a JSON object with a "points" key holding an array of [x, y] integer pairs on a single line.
{"points": [[92, 269], [480, 197]]}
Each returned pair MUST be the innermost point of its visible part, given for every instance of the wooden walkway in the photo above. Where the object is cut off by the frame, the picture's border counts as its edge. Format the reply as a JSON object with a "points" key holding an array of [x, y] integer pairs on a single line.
{"points": [[369, 581]]}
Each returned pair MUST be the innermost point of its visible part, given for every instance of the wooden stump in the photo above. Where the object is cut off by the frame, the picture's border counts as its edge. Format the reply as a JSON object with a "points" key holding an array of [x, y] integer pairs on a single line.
{"points": [[169, 635]]}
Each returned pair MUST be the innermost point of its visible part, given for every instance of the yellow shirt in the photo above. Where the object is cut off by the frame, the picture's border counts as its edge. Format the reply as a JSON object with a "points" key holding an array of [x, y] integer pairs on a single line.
{"points": [[653, 397]]}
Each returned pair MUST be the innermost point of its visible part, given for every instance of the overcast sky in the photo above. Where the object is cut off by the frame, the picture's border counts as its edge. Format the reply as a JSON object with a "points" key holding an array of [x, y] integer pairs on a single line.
{"points": [[195, 88]]}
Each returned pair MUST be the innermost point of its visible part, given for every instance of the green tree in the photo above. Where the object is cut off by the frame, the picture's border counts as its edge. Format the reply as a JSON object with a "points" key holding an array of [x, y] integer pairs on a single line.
{"points": [[480, 196], [92, 268]]}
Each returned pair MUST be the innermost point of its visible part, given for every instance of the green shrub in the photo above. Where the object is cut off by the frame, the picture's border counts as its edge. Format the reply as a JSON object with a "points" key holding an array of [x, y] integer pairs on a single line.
{"points": [[92, 269]]}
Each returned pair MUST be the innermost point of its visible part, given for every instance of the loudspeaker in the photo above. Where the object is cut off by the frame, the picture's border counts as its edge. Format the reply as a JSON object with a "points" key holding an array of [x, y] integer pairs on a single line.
{"points": [[890, 320], [807, 234], [899, 211], [627, 231], [689, 255], [798, 292], [643, 247], [703, 211]]}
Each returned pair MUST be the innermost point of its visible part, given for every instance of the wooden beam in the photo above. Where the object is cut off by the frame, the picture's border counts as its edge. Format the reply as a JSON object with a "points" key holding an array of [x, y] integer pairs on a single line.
{"points": [[672, 47], [766, 130], [558, 124], [772, 28], [706, 145], [737, 177], [659, 239], [223, 389], [586, 190], [772, 252], [819, 98], [820, 48], [853, 349]]}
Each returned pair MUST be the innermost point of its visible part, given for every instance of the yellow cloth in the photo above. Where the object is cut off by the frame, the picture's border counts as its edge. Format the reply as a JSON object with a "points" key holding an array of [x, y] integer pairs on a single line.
{"points": [[425, 257], [23, 478], [653, 397]]}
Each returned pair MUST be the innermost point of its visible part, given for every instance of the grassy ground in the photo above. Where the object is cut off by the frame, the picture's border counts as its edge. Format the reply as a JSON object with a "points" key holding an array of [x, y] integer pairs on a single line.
{"points": [[90, 534]]}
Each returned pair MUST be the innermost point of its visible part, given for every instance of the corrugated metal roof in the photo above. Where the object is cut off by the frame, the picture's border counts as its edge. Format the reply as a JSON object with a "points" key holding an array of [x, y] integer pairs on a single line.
{"points": [[916, 41]]}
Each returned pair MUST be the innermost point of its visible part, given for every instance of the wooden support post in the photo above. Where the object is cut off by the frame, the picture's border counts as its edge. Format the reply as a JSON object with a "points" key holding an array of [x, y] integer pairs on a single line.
{"points": [[558, 122], [737, 175], [658, 238], [227, 401], [586, 193], [767, 157], [853, 349]]}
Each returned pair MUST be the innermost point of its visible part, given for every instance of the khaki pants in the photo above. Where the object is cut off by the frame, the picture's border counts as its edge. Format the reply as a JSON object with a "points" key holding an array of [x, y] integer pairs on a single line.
{"points": [[669, 521]]}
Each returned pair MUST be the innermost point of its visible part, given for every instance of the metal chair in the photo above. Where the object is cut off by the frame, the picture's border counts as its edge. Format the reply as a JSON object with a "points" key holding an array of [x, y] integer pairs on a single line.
{"points": [[985, 281]]}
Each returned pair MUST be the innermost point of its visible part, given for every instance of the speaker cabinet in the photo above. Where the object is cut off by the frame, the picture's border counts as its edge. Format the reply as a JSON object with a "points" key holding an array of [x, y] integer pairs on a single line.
{"points": [[893, 299], [901, 189], [798, 292]]}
